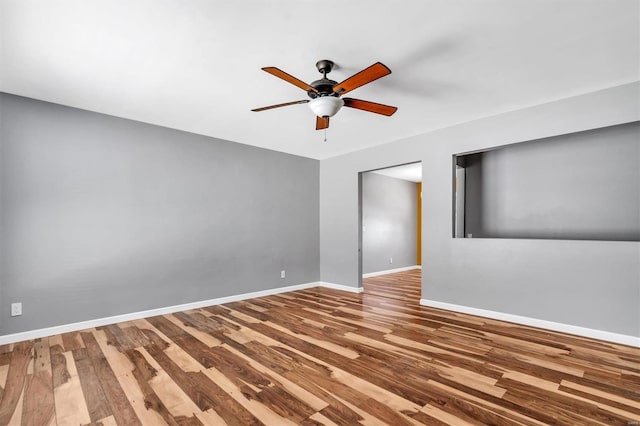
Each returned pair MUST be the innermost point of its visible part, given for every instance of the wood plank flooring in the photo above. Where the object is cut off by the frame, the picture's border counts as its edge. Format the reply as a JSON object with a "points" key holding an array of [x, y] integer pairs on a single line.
{"points": [[320, 356]]}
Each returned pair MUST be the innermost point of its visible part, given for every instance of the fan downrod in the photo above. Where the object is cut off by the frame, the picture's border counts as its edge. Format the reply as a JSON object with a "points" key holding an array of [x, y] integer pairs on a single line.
{"points": [[324, 86]]}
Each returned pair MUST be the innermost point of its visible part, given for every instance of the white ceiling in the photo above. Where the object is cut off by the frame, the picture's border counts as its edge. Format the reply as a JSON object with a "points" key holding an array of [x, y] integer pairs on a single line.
{"points": [[195, 65], [411, 172]]}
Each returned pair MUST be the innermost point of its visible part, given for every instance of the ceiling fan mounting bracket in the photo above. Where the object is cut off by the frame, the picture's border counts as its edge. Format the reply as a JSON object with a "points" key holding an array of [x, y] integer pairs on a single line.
{"points": [[324, 66]]}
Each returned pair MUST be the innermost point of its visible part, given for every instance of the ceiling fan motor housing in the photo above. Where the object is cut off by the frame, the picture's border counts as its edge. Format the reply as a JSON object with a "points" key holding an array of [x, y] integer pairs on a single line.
{"points": [[323, 86]]}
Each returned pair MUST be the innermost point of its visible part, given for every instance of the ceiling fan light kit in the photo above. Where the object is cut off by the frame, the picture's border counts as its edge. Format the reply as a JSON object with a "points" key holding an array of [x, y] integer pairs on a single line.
{"points": [[326, 106], [325, 94]]}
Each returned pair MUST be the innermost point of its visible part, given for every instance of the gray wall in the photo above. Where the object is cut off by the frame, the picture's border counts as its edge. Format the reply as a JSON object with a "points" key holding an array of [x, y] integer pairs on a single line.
{"points": [[593, 284], [584, 185], [103, 216], [389, 219]]}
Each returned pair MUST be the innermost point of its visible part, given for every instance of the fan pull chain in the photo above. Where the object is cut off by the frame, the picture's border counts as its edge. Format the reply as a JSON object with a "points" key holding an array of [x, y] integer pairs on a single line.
{"points": [[325, 135]]}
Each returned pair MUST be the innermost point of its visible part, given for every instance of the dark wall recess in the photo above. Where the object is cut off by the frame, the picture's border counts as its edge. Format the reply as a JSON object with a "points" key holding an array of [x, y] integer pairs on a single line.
{"points": [[579, 186]]}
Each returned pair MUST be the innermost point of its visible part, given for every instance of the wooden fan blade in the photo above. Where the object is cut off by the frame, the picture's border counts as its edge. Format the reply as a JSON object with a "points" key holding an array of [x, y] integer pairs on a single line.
{"points": [[304, 101], [370, 106], [322, 123], [289, 78], [365, 76]]}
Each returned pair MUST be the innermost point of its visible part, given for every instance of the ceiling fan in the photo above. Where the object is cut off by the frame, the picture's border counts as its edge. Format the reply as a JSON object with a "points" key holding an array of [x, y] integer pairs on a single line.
{"points": [[325, 94]]}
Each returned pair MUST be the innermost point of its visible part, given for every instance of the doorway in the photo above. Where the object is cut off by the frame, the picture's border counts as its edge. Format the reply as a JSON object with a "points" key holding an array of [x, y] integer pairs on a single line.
{"points": [[390, 220]]}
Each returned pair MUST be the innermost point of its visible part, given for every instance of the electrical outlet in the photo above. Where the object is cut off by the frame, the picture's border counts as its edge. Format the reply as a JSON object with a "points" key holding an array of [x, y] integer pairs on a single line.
{"points": [[469, 235], [16, 309], [391, 260], [283, 273]]}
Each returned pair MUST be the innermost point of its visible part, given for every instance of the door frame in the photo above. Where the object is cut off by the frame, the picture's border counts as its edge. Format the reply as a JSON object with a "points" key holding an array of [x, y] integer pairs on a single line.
{"points": [[360, 246]]}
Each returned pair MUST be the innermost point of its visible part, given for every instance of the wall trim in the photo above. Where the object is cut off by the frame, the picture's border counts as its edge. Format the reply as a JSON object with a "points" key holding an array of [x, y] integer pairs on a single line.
{"points": [[341, 287], [82, 325], [391, 271], [534, 322]]}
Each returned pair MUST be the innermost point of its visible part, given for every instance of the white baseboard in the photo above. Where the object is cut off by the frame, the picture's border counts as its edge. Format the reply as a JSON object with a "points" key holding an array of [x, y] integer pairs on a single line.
{"points": [[391, 271], [341, 287], [534, 322], [564, 328], [76, 326]]}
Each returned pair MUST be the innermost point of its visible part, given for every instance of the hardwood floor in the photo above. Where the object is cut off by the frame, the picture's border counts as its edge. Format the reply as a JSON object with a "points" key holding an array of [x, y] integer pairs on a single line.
{"points": [[320, 356]]}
